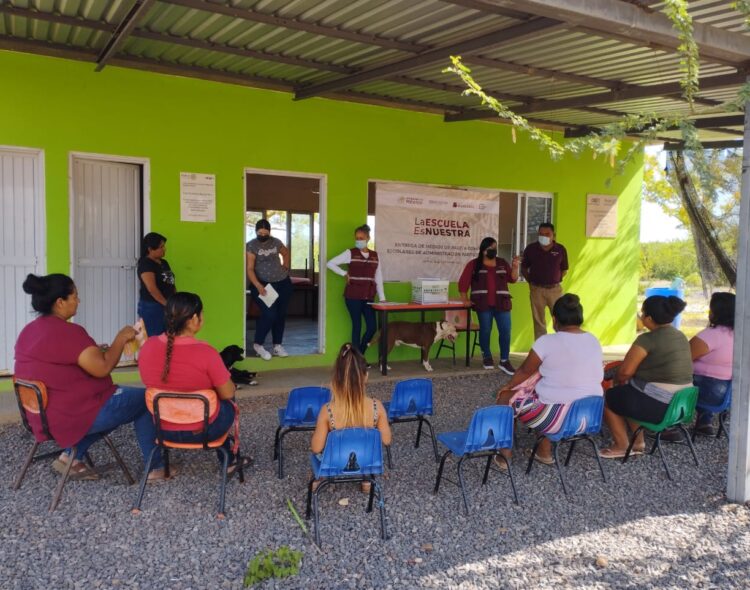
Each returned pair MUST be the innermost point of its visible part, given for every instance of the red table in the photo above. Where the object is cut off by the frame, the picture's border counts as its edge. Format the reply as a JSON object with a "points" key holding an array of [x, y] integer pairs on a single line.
{"points": [[384, 309]]}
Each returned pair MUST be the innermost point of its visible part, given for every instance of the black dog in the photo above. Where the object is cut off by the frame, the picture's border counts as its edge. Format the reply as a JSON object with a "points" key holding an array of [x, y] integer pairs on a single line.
{"points": [[232, 354]]}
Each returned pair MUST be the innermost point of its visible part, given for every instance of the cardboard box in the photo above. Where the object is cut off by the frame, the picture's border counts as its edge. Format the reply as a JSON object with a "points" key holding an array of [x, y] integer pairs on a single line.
{"points": [[429, 290]]}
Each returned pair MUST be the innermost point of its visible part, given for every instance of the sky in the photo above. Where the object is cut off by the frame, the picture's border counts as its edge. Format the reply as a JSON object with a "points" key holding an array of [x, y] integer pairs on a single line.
{"points": [[656, 226]]}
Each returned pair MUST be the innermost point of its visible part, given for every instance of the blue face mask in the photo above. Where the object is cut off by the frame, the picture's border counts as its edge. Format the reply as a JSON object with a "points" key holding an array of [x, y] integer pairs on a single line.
{"points": [[360, 244]]}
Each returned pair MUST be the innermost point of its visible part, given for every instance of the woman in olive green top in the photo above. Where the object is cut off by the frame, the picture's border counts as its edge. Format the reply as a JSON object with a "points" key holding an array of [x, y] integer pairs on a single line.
{"points": [[657, 365]]}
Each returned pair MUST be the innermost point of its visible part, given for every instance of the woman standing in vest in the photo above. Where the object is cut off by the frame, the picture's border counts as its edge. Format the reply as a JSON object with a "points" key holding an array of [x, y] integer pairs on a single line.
{"points": [[488, 277], [363, 280]]}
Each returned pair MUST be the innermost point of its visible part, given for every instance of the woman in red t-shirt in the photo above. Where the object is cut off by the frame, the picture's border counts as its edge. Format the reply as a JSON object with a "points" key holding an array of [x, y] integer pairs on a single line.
{"points": [[83, 402], [177, 362]]}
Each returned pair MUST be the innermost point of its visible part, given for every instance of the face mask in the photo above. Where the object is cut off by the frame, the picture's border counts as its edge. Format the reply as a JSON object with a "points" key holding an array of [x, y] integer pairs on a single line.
{"points": [[262, 238], [491, 253], [361, 244], [545, 241]]}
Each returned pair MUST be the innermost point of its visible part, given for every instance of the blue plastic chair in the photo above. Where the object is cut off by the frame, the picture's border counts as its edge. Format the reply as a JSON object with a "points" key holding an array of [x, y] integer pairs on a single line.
{"points": [[350, 455], [299, 415], [722, 410], [411, 402], [583, 420], [491, 429]]}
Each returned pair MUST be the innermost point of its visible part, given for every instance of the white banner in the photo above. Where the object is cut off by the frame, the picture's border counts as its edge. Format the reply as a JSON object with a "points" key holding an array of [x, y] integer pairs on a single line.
{"points": [[424, 231]]}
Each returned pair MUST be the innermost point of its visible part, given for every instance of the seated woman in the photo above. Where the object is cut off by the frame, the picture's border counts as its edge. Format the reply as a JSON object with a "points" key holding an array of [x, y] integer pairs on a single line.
{"points": [[83, 402], [350, 407], [712, 351], [657, 365], [177, 362], [559, 369]]}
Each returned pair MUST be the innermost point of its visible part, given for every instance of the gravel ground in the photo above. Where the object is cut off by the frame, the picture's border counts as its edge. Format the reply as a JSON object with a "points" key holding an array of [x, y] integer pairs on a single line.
{"points": [[637, 531]]}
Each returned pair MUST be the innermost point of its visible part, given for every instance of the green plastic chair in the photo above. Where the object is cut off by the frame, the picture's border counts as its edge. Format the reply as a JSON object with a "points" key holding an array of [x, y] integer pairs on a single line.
{"points": [[679, 412]]}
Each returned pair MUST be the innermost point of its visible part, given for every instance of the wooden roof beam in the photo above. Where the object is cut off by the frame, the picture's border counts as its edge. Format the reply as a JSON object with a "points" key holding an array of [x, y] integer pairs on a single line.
{"points": [[126, 26], [621, 18], [600, 98], [428, 57]]}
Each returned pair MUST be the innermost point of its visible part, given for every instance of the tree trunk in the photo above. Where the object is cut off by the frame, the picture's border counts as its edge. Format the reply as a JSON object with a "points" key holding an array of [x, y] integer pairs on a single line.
{"points": [[700, 222]]}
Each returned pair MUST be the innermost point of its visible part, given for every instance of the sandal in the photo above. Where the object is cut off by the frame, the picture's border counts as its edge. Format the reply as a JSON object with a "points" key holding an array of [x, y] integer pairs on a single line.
{"points": [[500, 464], [245, 462], [610, 453], [79, 472], [544, 460], [158, 475]]}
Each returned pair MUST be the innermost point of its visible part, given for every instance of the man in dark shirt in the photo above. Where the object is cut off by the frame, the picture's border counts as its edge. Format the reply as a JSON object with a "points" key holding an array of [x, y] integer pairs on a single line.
{"points": [[544, 265]]}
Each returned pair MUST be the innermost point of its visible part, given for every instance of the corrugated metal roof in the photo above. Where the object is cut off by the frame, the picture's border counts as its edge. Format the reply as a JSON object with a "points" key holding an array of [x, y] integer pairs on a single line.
{"points": [[299, 43]]}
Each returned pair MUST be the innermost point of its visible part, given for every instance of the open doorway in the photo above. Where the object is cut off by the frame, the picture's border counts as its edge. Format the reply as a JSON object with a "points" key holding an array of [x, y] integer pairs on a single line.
{"points": [[292, 205]]}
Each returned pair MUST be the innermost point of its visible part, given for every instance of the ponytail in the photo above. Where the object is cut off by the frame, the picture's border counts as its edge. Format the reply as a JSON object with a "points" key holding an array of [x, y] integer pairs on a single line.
{"points": [[179, 309]]}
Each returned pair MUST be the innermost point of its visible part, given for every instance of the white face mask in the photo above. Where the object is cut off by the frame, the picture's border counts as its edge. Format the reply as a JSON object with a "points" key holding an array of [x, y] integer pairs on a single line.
{"points": [[361, 244], [545, 241]]}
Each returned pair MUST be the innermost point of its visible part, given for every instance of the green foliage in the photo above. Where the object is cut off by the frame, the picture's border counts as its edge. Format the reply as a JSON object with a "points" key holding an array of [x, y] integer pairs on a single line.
{"points": [[282, 563], [682, 22], [667, 260]]}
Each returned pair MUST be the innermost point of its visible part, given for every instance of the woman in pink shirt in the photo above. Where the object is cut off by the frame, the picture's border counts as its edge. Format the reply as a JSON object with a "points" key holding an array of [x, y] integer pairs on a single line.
{"points": [[178, 362], [83, 402], [712, 357]]}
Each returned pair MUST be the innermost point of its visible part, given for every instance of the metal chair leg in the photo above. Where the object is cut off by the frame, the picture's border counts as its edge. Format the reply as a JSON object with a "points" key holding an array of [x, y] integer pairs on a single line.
{"points": [[459, 469], [512, 481], [533, 454], [434, 440], [689, 443], [371, 494], [240, 467], [223, 483], [598, 458], [487, 469], [389, 458], [119, 460], [632, 442], [165, 454], [419, 432], [440, 472], [281, 453], [657, 445], [381, 506], [309, 497], [61, 484], [555, 448], [722, 425], [570, 452], [25, 468], [276, 443], [142, 488]]}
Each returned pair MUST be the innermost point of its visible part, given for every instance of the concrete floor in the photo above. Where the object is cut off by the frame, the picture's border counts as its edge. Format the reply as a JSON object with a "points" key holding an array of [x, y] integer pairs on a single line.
{"points": [[281, 381], [300, 336]]}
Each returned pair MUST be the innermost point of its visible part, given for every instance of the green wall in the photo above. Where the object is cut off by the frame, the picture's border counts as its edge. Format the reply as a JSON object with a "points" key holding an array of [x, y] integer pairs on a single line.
{"points": [[190, 125]]}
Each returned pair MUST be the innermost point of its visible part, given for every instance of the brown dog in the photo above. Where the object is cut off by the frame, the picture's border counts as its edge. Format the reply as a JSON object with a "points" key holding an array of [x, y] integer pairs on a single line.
{"points": [[418, 335]]}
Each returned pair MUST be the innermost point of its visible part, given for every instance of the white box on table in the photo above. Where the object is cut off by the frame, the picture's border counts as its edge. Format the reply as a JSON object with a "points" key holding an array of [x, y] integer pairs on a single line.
{"points": [[425, 290]]}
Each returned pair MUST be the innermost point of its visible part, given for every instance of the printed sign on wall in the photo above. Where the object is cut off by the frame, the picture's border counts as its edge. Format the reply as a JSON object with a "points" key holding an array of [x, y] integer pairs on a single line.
{"points": [[601, 216], [425, 231], [197, 197]]}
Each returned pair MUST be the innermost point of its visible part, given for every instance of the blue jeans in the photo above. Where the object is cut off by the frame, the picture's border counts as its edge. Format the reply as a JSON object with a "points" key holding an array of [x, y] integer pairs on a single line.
{"points": [[221, 424], [153, 316], [502, 319], [272, 319], [711, 392], [358, 308], [128, 404]]}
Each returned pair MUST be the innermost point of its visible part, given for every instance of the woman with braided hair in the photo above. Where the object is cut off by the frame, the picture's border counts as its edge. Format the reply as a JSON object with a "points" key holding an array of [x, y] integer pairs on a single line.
{"points": [[177, 362]]}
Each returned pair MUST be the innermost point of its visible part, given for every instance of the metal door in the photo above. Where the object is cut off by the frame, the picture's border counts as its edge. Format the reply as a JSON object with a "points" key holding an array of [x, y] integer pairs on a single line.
{"points": [[21, 242], [105, 224]]}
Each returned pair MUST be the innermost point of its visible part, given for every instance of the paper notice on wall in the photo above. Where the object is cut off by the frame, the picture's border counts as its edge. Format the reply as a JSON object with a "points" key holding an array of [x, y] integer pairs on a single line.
{"points": [[424, 231], [197, 197], [601, 216]]}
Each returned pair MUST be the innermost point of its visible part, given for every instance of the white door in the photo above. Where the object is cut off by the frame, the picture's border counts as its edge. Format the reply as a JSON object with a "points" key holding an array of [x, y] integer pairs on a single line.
{"points": [[105, 223], [21, 242]]}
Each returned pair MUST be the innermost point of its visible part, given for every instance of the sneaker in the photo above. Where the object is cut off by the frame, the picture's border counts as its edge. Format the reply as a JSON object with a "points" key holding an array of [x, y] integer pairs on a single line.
{"points": [[506, 367], [262, 352], [488, 363], [278, 350]]}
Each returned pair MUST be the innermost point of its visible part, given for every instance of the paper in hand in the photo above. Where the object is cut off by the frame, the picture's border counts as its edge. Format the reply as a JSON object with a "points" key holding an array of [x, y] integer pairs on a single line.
{"points": [[270, 297]]}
